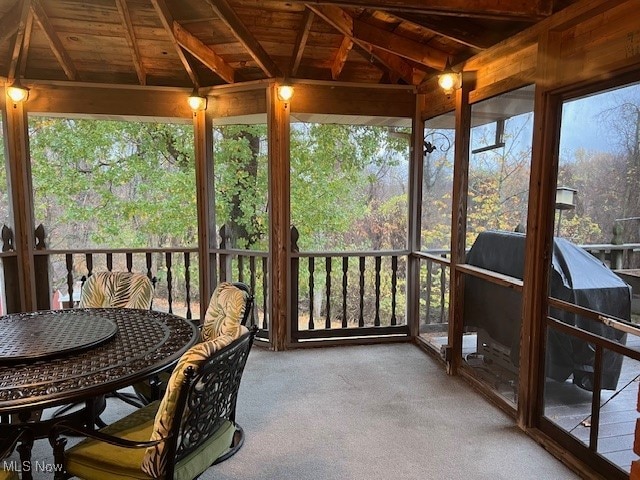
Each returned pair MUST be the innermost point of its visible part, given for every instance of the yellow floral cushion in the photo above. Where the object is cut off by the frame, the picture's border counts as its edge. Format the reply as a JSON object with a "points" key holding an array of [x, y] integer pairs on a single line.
{"points": [[117, 290], [225, 312]]}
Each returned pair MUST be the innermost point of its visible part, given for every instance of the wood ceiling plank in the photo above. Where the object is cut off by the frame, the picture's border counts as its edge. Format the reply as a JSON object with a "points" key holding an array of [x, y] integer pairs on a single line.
{"points": [[490, 9], [344, 23], [10, 21], [131, 40], [242, 33], [203, 53], [167, 22], [341, 57], [19, 39], [54, 41], [301, 41]]}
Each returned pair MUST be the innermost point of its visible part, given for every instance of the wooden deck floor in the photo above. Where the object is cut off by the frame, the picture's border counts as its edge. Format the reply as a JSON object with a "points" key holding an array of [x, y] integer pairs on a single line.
{"points": [[569, 406]]}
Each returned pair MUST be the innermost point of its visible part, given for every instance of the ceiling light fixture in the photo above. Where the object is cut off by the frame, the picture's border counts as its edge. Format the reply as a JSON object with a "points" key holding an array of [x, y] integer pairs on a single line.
{"points": [[449, 80], [285, 92], [17, 92], [196, 101]]}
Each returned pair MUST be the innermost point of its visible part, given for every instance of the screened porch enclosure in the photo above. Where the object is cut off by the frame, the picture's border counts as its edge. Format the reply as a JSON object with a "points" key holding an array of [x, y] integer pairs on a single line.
{"points": [[353, 210]]}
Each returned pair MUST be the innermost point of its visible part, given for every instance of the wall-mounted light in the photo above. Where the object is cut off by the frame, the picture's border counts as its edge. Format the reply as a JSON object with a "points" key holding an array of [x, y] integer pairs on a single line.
{"points": [[285, 92], [196, 101], [449, 80], [17, 92]]}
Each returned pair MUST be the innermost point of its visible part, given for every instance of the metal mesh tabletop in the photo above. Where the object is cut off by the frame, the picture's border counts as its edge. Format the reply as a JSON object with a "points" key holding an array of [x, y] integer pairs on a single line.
{"points": [[40, 336], [145, 342]]}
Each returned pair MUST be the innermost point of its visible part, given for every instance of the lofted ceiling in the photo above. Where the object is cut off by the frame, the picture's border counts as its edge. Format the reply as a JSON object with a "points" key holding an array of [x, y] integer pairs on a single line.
{"points": [[213, 42]]}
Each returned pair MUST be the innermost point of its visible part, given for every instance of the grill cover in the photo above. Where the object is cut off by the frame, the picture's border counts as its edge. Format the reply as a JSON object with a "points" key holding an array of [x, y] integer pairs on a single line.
{"points": [[576, 277]]}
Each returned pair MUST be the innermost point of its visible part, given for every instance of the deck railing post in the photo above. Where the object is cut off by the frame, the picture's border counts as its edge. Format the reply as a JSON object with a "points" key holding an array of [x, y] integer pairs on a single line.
{"points": [[295, 273], [10, 271], [225, 259], [41, 266]]}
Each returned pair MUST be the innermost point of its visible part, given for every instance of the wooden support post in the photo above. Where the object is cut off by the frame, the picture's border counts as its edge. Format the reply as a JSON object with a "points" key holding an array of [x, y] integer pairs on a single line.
{"points": [[459, 222], [279, 216], [539, 241], [18, 165], [415, 224], [203, 138]]}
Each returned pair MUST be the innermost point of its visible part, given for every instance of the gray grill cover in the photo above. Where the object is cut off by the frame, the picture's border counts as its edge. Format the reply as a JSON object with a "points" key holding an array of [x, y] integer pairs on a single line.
{"points": [[576, 277]]}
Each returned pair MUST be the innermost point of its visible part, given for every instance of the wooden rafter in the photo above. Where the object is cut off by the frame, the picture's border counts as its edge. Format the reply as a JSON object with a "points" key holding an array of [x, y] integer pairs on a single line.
{"points": [[459, 30], [399, 45], [341, 57], [10, 21], [26, 43], [19, 40], [301, 41], [343, 22], [54, 41], [242, 33], [131, 40], [203, 53], [167, 22], [489, 9]]}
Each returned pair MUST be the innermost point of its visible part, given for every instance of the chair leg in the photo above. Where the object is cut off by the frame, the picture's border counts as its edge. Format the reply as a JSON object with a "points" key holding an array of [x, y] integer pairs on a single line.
{"points": [[24, 449], [236, 443]]}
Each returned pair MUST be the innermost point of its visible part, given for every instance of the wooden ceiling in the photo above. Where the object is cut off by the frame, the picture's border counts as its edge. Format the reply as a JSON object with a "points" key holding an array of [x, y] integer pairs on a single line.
{"points": [[213, 42]]}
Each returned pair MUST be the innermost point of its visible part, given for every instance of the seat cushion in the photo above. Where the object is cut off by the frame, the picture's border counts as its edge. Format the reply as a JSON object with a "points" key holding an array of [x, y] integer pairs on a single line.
{"points": [[95, 460], [8, 475], [207, 453]]}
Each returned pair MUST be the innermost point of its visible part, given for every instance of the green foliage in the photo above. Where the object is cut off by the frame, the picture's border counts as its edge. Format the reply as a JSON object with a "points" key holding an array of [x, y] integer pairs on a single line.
{"points": [[240, 160], [115, 184], [335, 180]]}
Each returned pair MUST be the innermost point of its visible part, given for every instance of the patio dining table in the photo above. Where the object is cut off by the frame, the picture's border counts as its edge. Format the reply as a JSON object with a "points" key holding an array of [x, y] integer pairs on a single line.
{"points": [[57, 357]]}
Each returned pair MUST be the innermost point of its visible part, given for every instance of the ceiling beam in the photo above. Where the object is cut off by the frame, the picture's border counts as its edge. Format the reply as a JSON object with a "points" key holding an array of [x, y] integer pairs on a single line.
{"points": [[242, 33], [341, 57], [9, 23], [54, 41], [131, 40], [399, 45], [17, 53], [167, 22], [26, 43], [491, 9], [301, 41], [208, 57], [458, 30], [343, 22]]}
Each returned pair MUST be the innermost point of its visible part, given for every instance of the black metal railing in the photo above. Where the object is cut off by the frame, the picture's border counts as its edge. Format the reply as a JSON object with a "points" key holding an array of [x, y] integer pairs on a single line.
{"points": [[173, 270]]}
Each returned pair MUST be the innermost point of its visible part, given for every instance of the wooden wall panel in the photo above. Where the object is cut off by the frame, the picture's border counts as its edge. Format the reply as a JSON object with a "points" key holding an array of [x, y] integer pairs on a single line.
{"points": [[347, 100], [519, 63], [237, 103], [608, 41], [113, 102]]}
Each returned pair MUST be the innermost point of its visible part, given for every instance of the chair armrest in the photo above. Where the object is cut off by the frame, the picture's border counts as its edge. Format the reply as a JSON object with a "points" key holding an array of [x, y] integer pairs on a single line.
{"points": [[61, 429]]}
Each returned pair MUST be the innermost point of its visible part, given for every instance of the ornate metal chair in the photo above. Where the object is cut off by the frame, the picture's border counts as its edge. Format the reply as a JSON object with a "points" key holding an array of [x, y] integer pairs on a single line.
{"points": [[23, 440], [115, 290], [190, 429], [225, 320]]}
